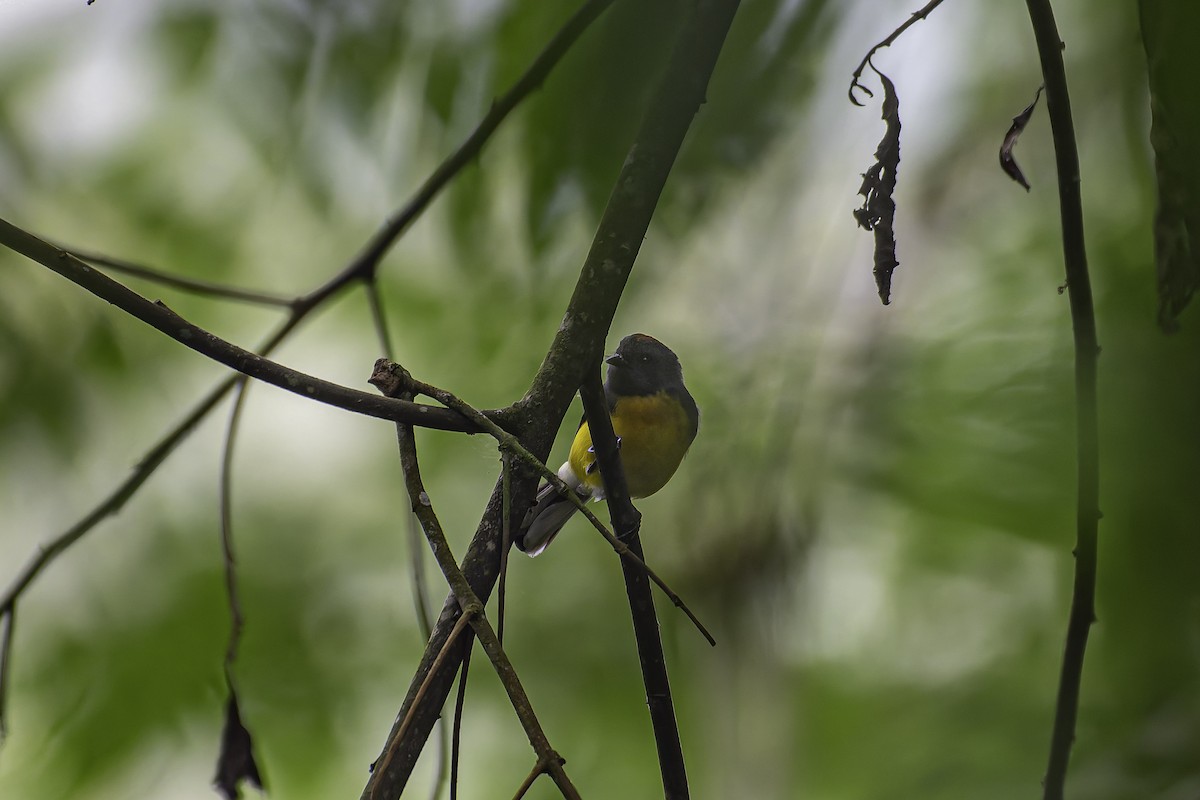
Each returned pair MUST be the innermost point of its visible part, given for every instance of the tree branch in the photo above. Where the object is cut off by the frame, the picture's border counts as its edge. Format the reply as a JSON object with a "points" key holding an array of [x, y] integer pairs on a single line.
{"points": [[398, 383], [167, 321], [1083, 321], [627, 521], [581, 335]]}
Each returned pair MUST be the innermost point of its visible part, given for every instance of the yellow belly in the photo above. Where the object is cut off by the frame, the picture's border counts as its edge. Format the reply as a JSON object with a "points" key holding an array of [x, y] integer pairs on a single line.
{"points": [[655, 434]]}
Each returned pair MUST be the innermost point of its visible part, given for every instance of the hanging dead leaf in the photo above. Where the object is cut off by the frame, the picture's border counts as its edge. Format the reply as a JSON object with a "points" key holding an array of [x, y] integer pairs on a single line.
{"points": [[236, 761], [1007, 162], [878, 211]]}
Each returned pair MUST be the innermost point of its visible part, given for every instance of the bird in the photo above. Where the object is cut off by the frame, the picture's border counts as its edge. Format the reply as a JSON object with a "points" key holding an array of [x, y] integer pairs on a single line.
{"points": [[655, 420]]}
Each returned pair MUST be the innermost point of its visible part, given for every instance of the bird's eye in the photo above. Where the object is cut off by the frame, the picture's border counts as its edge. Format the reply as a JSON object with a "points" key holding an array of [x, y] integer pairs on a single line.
{"points": [[645, 359]]}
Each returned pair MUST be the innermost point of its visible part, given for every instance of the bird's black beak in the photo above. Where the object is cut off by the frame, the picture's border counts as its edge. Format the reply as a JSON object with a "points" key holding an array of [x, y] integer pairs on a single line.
{"points": [[616, 360]]}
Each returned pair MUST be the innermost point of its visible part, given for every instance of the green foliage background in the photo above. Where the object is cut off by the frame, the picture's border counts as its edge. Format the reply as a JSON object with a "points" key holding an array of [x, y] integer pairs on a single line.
{"points": [[875, 521]]}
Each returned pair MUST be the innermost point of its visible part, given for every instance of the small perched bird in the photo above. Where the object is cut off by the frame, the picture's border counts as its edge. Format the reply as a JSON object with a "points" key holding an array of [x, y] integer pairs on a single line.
{"points": [[655, 420]]}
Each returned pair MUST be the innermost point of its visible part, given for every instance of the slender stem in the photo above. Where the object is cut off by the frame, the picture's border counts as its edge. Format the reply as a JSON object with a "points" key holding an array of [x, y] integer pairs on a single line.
{"points": [[506, 537], [167, 321], [627, 521], [416, 548], [379, 318], [9, 619], [459, 627], [1083, 322], [456, 731], [178, 281], [913, 18], [472, 611], [144, 469], [236, 620], [523, 789], [440, 770]]}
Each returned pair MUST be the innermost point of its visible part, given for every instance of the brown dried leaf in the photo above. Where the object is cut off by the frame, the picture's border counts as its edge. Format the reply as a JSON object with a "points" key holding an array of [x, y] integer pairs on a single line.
{"points": [[878, 211], [236, 762]]}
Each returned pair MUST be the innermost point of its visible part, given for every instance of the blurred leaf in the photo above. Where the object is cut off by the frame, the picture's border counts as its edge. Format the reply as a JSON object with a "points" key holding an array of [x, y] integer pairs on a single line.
{"points": [[189, 35], [604, 81], [1169, 33]]}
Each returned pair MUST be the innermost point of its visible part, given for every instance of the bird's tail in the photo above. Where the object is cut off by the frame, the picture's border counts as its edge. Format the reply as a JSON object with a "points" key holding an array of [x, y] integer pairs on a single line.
{"points": [[550, 511]]}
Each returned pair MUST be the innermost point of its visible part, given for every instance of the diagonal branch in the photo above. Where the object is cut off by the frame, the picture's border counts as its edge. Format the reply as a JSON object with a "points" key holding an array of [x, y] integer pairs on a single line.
{"points": [[115, 501], [1083, 323], [167, 321], [178, 281]]}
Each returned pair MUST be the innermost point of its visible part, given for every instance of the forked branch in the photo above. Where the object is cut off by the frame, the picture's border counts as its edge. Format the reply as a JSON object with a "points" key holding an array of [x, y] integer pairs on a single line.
{"points": [[585, 326], [394, 384]]}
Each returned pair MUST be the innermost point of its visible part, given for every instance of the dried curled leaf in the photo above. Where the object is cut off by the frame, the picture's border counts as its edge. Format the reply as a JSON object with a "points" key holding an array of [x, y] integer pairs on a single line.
{"points": [[878, 211], [236, 762], [1007, 162]]}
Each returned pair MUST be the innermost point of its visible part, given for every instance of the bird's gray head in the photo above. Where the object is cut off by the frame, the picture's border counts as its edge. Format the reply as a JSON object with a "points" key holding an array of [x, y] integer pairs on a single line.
{"points": [[642, 365]]}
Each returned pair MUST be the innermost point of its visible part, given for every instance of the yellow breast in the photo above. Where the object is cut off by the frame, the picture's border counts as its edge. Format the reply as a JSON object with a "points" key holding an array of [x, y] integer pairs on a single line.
{"points": [[655, 434]]}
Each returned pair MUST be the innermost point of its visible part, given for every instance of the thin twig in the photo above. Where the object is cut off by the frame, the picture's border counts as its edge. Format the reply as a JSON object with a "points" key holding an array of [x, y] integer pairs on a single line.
{"points": [[915, 17], [379, 318], [225, 501], [1083, 323], [510, 444], [144, 469], [627, 521], [9, 620], [441, 766], [392, 382], [463, 620], [416, 560], [506, 538], [236, 761], [538, 769], [456, 732], [416, 549], [167, 321], [178, 281]]}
